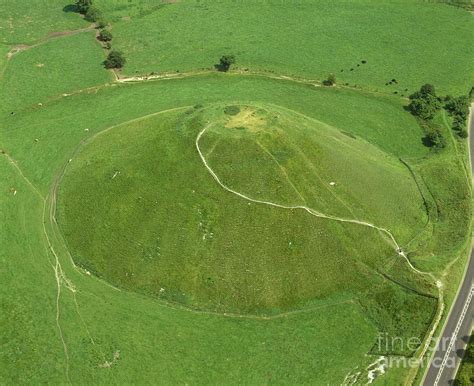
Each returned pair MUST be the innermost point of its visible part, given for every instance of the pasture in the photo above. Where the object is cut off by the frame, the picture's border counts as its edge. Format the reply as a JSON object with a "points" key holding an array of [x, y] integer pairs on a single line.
{"points": [[309, 39], [227, 228]]}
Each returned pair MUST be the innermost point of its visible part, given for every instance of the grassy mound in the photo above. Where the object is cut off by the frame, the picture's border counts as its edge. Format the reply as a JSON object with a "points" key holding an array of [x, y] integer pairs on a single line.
{"points": [[272, 154], [139, 209]]}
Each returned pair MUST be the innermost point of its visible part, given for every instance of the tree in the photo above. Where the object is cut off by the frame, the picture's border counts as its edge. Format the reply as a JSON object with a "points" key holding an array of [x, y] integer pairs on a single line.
{"points": [[83, 6], [105, 35], [424, 103], [435, 138], [458, 106], [425, 108], [330, 81], [226, 61], [428, 89], [115, 59]]}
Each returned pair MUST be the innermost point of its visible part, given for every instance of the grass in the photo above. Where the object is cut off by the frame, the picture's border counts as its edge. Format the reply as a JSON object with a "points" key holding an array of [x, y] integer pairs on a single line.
{"points": [[58, 66], [248, 258], [147, 334], [25, 22], [310, 39], [44, 296], [286, 158], [110, 105]]}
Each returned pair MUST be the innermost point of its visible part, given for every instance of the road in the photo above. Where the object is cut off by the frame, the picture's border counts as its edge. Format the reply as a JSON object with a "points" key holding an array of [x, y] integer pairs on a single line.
{"points": [[458, 327]]}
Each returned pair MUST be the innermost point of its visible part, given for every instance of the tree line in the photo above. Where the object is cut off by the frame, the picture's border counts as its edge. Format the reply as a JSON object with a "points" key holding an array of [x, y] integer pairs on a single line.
{"points": [[424, 104]]}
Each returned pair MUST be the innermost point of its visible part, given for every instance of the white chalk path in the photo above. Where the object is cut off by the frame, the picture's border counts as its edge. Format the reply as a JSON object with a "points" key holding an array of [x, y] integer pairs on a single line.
{"points": [[315, 213], [302, 207]]}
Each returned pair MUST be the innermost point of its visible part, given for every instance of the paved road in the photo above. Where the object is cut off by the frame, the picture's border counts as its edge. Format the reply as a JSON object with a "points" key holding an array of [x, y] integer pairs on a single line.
{"points": [[458, 326]]}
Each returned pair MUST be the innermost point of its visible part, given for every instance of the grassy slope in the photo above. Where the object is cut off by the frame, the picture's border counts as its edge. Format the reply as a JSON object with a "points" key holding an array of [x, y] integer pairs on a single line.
{"points": [[60, 127], [25, 22], [249, 258], [314, 39], [58, 66], [148, 335], [307, 155]]}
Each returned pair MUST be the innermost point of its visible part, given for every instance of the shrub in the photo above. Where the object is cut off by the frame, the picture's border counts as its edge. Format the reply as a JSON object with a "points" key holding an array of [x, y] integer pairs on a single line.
{"points": [[424, 108], [101, 24], [115, 59], [463, 134], [330, 81], [424, 103], [93, 14], [428, 89], [225, 62], [435, 138], [458, 106], [105, 36], [83, 6]]}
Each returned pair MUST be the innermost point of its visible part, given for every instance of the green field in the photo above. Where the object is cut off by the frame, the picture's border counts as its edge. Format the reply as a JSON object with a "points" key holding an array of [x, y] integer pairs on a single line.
{"points": [[316, 38], [57, 67], [26, 22], [227, 228]]}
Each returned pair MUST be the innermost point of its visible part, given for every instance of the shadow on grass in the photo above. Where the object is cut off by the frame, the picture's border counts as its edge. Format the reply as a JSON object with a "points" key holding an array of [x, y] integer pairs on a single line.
{"points": [[71, 8], [221, 68]]}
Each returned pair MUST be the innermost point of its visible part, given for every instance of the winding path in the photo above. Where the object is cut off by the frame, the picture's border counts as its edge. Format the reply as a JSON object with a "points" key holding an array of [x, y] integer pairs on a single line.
{"points": [[313, 212]]}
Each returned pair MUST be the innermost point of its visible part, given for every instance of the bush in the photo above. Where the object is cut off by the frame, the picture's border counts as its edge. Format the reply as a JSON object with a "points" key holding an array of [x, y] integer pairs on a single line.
{"points": [[434, 138], [428, 89], [330, 81], [424, 108], [225, 62], [115, 59], [105, 36], [458, 106], [101, 24], [83, 6], [424, 103], [93, 14]]}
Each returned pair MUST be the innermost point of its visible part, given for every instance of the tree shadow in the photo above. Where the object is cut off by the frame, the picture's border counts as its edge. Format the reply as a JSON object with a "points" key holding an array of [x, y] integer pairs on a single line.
{"points": [[221, 68], [71, 8], [426, 141]]}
